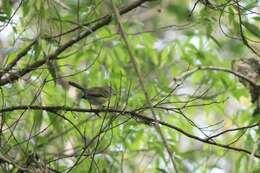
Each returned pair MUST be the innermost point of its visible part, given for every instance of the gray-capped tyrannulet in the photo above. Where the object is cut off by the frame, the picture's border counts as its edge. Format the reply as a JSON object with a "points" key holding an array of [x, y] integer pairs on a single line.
{"points": [[95, 95]]}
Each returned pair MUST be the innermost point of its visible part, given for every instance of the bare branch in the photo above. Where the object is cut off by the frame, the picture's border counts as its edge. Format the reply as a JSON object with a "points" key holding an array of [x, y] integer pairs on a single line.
{"points": [[231, 130], [101, 23], [18, 58], [212, 68], [142, 118]]}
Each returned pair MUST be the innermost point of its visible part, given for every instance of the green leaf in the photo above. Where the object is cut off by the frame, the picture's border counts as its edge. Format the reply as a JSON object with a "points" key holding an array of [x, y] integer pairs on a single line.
{"points": [[161, 170], [7, 8], [38, 118], [250, 6], [249, 142], [164, 55], [38, 5], [256, 170], [56, 121], [230, 15], [181, 11], [257, 18], [3, 17], [52, 68], [37, 50], [209, 27], [26, 8], [252, 28]]}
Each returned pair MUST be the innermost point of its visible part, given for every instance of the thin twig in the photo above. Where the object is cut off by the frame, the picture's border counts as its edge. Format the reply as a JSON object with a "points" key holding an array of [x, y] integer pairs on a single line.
{"points": [[231, 130], [142, 118], [213, 68], [101, 23]]}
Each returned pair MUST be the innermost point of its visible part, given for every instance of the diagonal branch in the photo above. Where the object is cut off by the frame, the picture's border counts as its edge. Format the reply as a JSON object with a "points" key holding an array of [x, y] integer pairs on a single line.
{"points": [[101, 23], [231, 130], [142, 118], [141, 82], [242, 32], [18, 58], [212, 68]]}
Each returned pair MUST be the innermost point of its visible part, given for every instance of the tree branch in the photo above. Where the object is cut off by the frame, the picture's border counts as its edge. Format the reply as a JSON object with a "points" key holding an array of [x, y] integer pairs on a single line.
{"points": [[142, 118], [101, 23], [231, 130], [212, 68], [18, 58], [141, 82]]}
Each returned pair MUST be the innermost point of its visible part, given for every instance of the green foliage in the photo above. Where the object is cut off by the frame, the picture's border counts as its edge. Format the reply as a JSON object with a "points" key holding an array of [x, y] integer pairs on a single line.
{"points": [[171, 44], [252, 29]]}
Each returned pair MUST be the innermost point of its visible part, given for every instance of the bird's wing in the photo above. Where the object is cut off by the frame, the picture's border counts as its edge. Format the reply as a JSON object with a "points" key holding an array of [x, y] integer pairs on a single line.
{"points": [[77, 86], [96, 92]]}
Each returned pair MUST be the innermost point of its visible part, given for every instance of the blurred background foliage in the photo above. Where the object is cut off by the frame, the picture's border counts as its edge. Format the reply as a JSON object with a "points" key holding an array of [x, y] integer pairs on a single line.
{"points": [[168, 38]]}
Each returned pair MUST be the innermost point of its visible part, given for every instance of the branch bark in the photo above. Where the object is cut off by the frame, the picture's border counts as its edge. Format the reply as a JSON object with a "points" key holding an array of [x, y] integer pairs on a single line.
{"points": [[212, 68], [101, 23], [142, 118]]}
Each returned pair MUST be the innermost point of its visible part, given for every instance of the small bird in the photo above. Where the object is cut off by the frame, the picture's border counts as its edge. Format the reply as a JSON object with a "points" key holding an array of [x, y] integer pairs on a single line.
{"points": [[95, 95], [250, 68]]}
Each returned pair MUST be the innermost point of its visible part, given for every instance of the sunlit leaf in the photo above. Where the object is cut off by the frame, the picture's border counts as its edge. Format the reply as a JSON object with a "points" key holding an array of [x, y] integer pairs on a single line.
{"points": [[252, 29]]}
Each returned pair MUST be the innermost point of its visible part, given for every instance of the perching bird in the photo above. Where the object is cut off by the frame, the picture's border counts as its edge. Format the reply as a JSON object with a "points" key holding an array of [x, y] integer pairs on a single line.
{"points": [[250, 68], [95, 95]]}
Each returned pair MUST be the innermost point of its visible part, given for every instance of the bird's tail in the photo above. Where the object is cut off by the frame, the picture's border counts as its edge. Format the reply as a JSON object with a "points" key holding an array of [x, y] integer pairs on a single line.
{"points": [[77, 86]]}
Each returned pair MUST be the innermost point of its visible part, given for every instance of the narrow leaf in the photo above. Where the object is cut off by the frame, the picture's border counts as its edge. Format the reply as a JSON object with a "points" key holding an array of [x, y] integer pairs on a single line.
{"points": [[252, 28]]}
